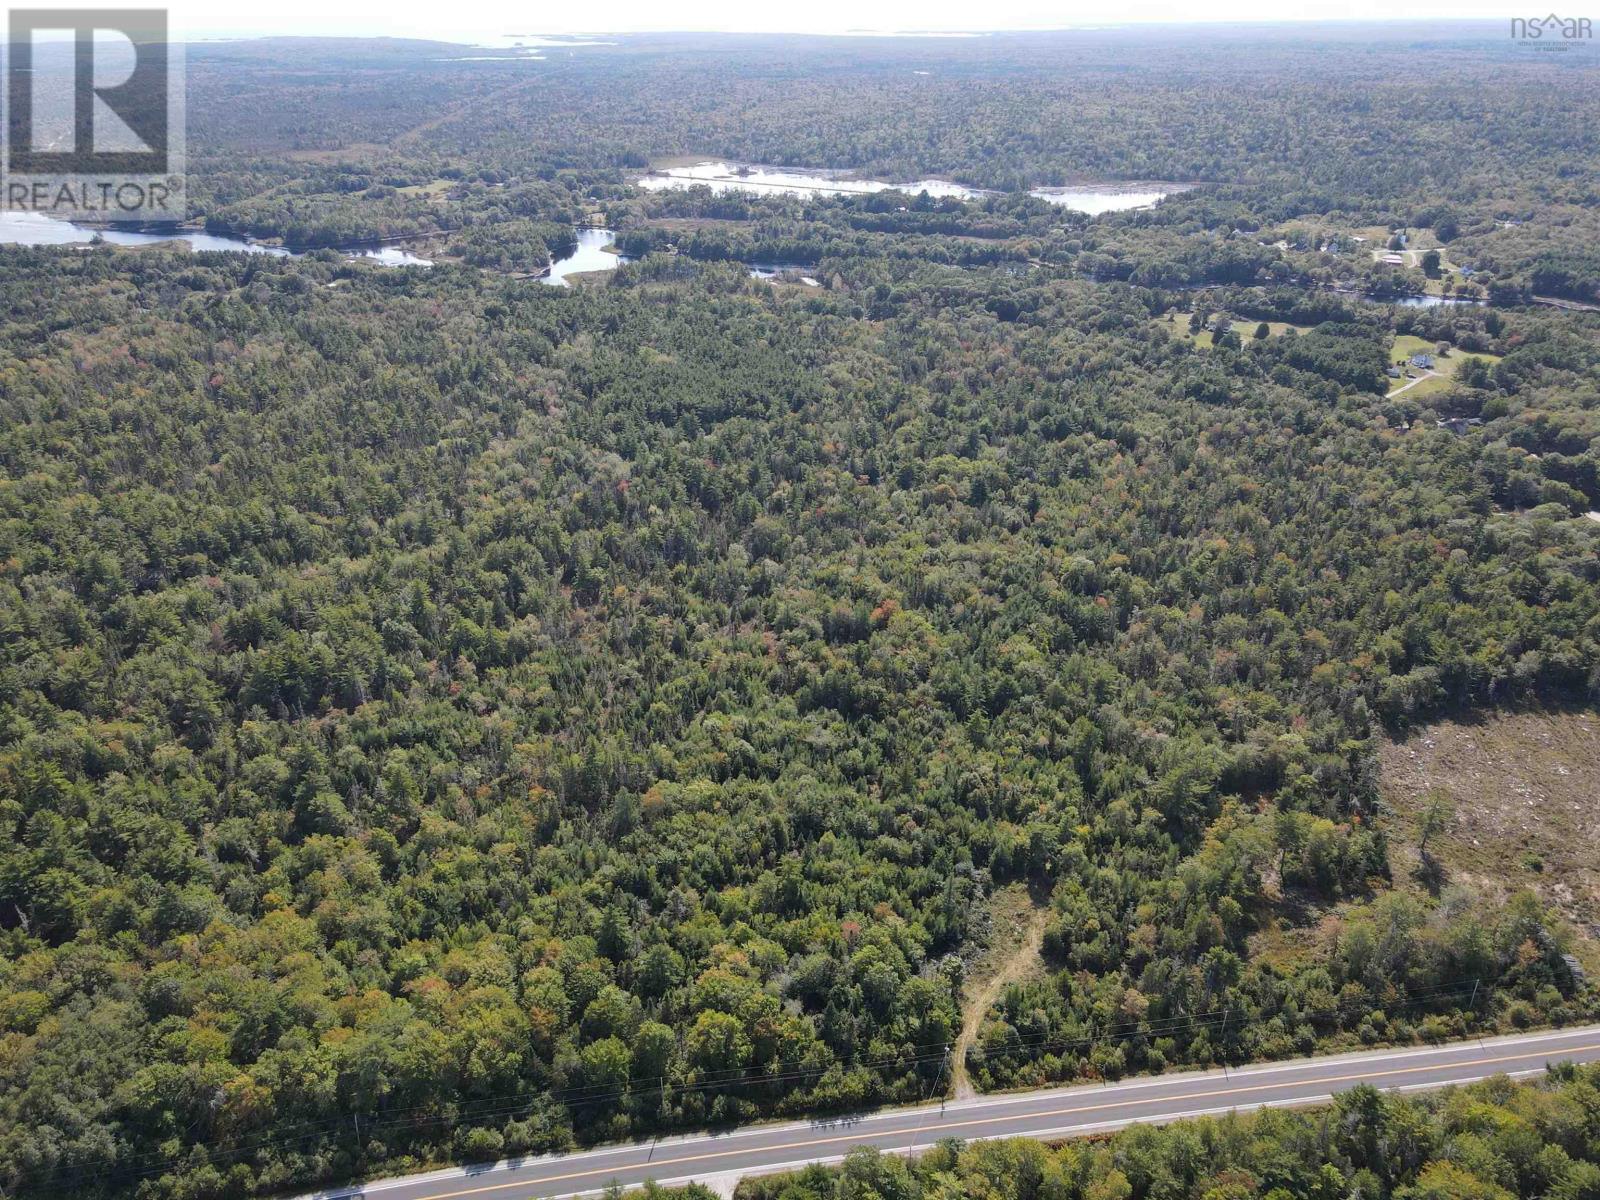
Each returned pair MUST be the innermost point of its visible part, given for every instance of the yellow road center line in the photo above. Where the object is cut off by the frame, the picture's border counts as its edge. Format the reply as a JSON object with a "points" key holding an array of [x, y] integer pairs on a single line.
{"points": [[939, 1130]]}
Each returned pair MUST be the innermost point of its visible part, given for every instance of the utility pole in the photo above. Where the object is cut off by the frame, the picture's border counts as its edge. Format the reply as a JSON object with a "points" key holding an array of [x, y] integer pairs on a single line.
{"points": [[1223, 1037], [944, 1061]]}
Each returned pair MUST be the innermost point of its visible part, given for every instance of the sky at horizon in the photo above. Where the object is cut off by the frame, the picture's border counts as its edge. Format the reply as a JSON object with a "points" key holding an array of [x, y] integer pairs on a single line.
{"points": [[493, 22]]}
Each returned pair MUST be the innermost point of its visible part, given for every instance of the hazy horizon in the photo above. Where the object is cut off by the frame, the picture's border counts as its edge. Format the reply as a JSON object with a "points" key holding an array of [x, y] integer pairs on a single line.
{"points": [[494, 25], [499, 22]]}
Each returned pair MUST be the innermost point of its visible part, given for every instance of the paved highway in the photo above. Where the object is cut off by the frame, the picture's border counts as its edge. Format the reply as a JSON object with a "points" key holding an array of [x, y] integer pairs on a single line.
{"points": [[718, 1159]]}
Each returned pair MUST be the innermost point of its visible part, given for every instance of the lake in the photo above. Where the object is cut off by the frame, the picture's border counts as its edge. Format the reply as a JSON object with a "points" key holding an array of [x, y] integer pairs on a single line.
{"points": [[391, 256], [789, 181], [36, 229], [591, 255], [796, 271], [1097, 199], [1093, 199]]}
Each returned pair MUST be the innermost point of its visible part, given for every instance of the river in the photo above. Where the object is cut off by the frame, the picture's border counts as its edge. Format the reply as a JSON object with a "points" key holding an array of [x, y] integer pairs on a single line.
{"points": [[1427, 301], [36, 229]]}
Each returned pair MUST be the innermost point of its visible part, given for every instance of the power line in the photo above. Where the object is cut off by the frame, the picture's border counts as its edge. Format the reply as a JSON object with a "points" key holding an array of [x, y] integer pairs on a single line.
{"points": [[423, 1117]]}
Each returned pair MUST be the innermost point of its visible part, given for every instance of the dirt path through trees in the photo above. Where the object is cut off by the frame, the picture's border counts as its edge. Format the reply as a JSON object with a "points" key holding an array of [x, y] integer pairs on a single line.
{"points": [[1014, 955]]}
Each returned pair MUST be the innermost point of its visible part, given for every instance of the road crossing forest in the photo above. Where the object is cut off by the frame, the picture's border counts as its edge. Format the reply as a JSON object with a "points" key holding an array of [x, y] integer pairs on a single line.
{"points": [[446, 716], [1365, 1089]]}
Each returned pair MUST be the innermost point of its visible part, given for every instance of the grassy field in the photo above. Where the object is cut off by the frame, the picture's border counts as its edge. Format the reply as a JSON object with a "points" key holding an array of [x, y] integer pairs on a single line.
{"points": [[1444, 366], [1522, 787], [1431, 386], [432, 190], [695, 224], [666, 162], [1405, 345], [1177, 324]]}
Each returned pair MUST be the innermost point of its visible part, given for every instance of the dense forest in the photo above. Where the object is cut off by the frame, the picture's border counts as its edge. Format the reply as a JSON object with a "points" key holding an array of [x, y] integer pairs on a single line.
{"points": [[1442, 125], [443, 715], [1492, 1141]]}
